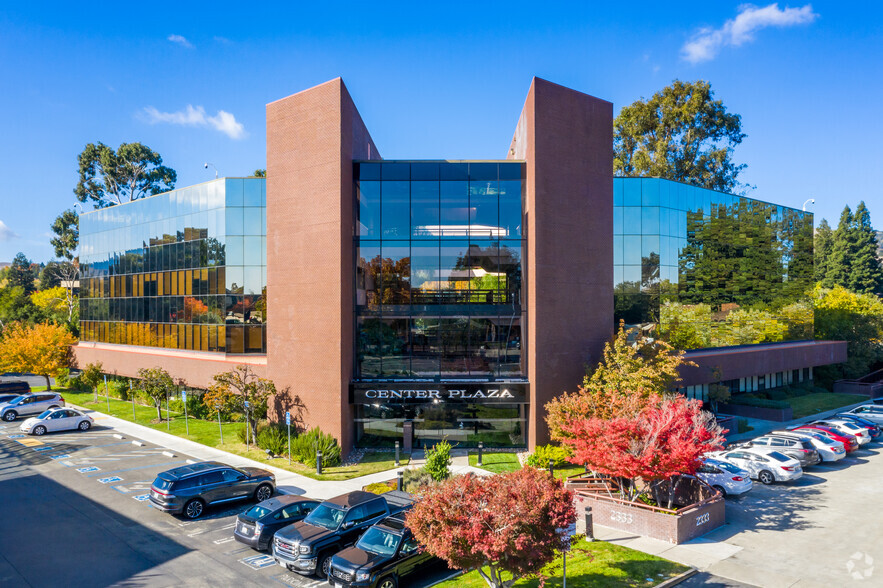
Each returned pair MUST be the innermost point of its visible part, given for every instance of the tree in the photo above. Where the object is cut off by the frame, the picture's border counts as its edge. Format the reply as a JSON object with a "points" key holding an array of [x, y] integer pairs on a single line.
{"points": [[109, 177], [822, 243], [841, 315], [248, 387], [259, 173], [66, 227], [52, 303], [157, 384], [865, 273], [631, 375], [16, 306], [842, 251], [22, 273], [681, 133], [41, 349], [512, 523], [666, 439], [91, 376]]}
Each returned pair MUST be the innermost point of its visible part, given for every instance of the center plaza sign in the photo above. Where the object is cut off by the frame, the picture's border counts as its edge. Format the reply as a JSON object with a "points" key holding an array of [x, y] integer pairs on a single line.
{"points": [[481, 392]]}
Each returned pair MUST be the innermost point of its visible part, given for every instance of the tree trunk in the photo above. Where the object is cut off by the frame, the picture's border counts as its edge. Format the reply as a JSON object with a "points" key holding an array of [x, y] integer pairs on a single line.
{"points": [[158, 405], [48, 383]]}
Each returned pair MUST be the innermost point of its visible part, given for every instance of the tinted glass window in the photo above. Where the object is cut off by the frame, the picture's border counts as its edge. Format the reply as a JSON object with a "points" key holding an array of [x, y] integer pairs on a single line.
{"points": [[44, 414], [376, 540], [778, 456], [289, 512], [187, 483], [325, 516], [257, 512], [211, 478], [375, 509], [232, 475], [162, 484]]}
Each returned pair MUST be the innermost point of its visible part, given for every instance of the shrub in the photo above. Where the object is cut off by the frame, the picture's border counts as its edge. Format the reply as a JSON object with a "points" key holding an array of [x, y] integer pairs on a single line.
{"points": [[746, 400], [274, 438], [378, 488], [119, 389], [414, 480], [304, 447], [543, 453], [63, 377], [438, 461], [240, 434]]}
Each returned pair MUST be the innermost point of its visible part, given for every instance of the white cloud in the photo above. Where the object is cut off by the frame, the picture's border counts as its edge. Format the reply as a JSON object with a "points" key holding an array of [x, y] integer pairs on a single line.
{"points": [[223, 121], [706, 43], [7, 234], [180, 40]]}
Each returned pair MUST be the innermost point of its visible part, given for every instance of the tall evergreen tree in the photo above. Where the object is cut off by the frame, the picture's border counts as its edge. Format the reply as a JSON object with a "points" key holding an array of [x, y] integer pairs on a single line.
{"points": [[823, 242], [22, 274], [842, 250], [865, 273]]}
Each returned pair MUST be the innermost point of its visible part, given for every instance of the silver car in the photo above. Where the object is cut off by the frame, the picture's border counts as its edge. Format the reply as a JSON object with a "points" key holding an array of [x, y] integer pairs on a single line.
{"points": [[724, 477], [57, 419], [30, 404], [764, 465], [871, 412]]}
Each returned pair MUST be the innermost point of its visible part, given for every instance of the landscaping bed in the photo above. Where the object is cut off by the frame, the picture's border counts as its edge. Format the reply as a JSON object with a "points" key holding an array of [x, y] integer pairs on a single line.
{"points": [[594, 564], [498, 462]]}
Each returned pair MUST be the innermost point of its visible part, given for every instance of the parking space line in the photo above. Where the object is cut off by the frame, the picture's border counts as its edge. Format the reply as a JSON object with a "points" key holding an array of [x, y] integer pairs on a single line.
{"points": [[142, 467]]}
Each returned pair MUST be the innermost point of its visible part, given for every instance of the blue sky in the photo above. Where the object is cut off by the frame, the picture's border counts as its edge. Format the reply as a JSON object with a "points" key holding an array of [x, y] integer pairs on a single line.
{"points": [[431, 80]]}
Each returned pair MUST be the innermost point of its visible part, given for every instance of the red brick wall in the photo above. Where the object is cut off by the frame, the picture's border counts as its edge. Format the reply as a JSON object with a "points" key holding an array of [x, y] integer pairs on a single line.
{"points": [[312, 139], [565, 137]]}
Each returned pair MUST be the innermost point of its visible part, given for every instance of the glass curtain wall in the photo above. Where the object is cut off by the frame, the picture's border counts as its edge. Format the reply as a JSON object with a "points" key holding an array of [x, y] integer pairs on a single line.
{"points": [[710, 269], [438, 271], [181, 270]]}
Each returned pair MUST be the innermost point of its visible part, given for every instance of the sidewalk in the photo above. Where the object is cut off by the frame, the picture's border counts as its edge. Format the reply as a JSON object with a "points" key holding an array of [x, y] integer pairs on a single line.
{"points": [[286, 482]]}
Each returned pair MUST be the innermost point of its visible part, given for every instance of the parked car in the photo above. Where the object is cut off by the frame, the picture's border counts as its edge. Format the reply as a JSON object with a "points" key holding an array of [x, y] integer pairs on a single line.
{"points": [[307, 547], [189, 489], [850, 443], [764, 465], [726, 478], [800, 449], [4, 398], [15, 388], [385, 554], [829, 450], [28, 404], [57, 419], [846, 426], [872, 412], [872, 427], [256, 526]]}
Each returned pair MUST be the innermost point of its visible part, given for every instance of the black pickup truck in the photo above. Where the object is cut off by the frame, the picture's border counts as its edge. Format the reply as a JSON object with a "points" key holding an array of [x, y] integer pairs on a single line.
{"points": [[381, 558], [306, 547]]}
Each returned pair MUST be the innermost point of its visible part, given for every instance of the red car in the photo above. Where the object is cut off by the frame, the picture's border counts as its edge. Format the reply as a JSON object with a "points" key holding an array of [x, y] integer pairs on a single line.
{"points": [[849, 441]]}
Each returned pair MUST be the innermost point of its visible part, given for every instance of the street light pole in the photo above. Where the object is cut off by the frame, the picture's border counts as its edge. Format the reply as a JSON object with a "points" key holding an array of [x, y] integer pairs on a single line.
{"points": [[808, 201]]}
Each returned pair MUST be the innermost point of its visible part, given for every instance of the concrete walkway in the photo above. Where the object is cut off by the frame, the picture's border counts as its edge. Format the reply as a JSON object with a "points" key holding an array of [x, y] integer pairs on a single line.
{"points": [[286, 482]]}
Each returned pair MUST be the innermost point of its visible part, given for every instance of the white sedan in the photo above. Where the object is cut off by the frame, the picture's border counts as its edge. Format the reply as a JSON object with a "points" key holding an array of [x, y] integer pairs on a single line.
{"points": [[724, 477], [763, 464], [57, 419]]}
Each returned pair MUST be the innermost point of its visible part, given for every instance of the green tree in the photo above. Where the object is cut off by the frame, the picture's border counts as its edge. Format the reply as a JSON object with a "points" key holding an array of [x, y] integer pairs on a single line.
{"points": [[109, 177], [22, 273], [681, 133], [865, 273], [157, 384], [259, 173], [822, 244], [66, 227], [842, 251], [91, 376], [16, 306], [247, 387], [856, 318]]}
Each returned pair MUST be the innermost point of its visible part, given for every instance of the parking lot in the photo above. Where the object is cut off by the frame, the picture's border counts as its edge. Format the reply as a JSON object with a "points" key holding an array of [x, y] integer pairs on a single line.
{"points": [[75, 512]]}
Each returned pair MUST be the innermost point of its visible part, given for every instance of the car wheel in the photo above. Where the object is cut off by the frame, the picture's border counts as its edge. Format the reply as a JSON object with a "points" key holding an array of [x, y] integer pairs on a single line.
{"points": [[84, 425], [766, 477], [389, 582], [324, 567], [194, 509], [263, 492], [721, 490], [10, 415], [39, 430]]}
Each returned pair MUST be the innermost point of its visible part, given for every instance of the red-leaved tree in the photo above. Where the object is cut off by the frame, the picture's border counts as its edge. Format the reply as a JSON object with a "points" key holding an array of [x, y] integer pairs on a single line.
{"points": [[512, 523], [665, 439]]}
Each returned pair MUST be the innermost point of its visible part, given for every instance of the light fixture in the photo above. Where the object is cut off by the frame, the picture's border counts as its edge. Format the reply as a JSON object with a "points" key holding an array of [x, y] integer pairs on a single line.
{"points": [[213, 167]]}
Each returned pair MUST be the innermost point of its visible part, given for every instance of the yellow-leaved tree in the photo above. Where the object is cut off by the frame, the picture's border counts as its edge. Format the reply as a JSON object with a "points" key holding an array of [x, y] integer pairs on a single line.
{"points": [[41, 349]]}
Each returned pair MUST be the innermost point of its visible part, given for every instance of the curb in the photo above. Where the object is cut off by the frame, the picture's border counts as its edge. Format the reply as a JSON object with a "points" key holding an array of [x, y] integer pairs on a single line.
{"points": [[678, 579]]}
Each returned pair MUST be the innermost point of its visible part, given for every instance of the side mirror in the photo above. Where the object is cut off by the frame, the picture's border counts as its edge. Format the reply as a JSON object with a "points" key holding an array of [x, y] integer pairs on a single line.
{"points": [[347, 525]]}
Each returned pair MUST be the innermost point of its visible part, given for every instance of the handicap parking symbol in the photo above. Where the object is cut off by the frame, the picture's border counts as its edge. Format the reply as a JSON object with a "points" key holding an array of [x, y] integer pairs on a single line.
{"points": [[16, 436], [142, 497], [257, 562], [87, 470], [109, 480], [65, 456], [42, 448]]}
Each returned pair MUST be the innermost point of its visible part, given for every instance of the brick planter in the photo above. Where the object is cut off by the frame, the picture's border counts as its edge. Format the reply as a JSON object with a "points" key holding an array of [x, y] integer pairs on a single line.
{"points": [[674, 526]]}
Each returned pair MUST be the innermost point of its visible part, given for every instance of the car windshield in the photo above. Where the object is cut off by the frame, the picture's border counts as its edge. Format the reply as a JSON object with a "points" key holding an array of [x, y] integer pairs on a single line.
{"points": [[257, 512], [44, 414], [17, 400], [778, 456], [378, 541], [851, 426], [728, 467], [326, 517]]}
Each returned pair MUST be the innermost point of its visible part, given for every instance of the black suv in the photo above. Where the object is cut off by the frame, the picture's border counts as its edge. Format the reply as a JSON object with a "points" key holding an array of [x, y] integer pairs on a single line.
{"points": [[385, 554], [189, 489]]}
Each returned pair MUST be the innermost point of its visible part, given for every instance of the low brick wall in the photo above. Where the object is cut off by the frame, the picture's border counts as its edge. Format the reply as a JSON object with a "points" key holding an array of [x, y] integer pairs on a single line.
{"points": [[872, 390], [755, 412], [679, 526]]}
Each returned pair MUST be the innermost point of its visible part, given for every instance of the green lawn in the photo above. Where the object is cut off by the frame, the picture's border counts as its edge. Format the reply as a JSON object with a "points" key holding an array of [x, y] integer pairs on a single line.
{"points": [[596, 564], [814, 403], [508, 462], [207, 432]]}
